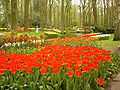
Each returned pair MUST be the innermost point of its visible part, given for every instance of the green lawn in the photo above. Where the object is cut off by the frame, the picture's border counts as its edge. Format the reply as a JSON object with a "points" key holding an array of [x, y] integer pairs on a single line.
{"points": [[109, 44]]}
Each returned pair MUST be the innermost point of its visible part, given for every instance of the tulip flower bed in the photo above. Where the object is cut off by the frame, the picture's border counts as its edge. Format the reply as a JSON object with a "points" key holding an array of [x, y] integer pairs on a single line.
{"points": [[25, 44], [83, 40], [56, 68]]}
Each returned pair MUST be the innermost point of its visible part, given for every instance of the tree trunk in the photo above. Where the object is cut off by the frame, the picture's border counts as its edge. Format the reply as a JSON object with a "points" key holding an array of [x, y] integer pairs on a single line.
{"points": [[43, 13], [13, 14], [117, 31], [62, 15], [67, 12], [94, 12], [105, 17], [6, 6], [83, 13], [26, 13], [50, 12]]}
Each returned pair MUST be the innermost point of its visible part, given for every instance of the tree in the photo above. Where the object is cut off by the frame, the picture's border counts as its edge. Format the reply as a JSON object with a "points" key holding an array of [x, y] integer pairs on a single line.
{"points": [[94, 11], [13, 14], [117, 25], [6, 7], [50, 12], [83, 2], [26, 13], [67, 12], [62, 15], [43, 13], [59, 13]]}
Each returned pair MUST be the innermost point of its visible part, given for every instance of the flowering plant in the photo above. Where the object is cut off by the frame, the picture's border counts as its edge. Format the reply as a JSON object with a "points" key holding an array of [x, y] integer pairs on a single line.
{"points": [[84, 40], [57, 68]]}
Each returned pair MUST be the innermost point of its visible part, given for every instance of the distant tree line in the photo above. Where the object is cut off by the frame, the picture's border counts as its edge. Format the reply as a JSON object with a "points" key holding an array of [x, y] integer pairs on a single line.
{"points": [[60, 13]]}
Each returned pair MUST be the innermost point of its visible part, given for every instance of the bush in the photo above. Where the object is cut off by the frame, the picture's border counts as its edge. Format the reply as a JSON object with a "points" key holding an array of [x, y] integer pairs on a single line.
{"points": [[115, 67], [2, 40], [68, 33], [50, 35], [103, 37], [104, 30]]}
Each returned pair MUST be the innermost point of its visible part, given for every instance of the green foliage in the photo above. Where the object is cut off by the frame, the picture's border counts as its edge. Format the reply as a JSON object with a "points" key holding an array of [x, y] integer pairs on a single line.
{"points": [[104, 38], [116, 64], [108, 44], [21, 51], [1, 40], [52, 35], [33, 33], [68, 33], [104, 30], [36, 81]]}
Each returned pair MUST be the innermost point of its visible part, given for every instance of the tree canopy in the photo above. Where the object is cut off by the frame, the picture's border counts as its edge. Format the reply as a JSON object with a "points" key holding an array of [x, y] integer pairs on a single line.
{"points": [[60, 13]]}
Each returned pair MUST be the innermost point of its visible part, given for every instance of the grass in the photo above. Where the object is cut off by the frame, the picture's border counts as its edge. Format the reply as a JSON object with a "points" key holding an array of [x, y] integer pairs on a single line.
{"points": [[21, 51], [109, 44], [49, 32], [31, 33]]}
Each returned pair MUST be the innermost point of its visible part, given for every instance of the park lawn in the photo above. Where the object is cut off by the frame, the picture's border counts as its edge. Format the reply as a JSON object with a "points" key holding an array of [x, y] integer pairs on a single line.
{"points": [[109, 44], [21, 50], [30, 33]]}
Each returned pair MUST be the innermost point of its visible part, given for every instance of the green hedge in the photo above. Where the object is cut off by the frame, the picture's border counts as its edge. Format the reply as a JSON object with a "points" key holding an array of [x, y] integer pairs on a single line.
{"points": [[52, 35]]}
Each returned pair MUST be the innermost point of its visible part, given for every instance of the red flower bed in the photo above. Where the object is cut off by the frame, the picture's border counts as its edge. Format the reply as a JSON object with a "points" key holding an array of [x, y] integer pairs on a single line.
{"points": [[74, 60], [82, 40], [88, 35]]}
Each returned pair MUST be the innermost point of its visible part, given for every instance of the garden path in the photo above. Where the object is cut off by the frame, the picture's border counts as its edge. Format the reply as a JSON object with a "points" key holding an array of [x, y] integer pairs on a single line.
{"points": [[115, 83]]}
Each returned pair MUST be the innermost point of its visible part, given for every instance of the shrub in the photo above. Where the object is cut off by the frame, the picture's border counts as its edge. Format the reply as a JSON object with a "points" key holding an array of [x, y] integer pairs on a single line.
{"points": [[104, 30], [115, 67], [2, 41], [50, 35]]}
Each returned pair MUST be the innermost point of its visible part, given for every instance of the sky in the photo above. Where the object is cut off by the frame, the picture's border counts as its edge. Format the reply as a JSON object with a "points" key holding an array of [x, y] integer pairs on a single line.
{"points": [[76, 2]]}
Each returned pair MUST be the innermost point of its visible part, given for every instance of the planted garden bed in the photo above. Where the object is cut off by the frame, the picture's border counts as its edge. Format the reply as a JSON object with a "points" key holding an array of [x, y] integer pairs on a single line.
{"points": [[62, 64], [103, 36], [56, 68]]}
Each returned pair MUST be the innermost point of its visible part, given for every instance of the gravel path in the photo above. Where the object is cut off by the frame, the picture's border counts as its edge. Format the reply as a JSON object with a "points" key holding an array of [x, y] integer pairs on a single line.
{"points": [[115, 84]]}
